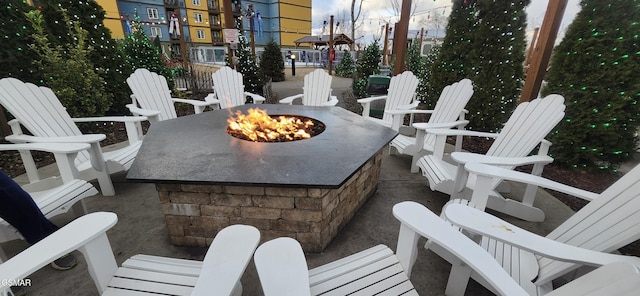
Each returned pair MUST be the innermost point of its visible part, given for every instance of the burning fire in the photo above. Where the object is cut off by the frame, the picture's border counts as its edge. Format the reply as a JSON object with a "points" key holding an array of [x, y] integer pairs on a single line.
{"points": [[258, 126]]}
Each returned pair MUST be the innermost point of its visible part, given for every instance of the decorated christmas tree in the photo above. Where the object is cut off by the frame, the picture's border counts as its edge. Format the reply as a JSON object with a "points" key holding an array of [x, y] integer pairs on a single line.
{"points": [[74, 80], [251, 73], [140, 52], [596, 68], [15, 33], [416, 64], [271, 62], [346, 67], [105, 53], [368, 64], [485, 42]]}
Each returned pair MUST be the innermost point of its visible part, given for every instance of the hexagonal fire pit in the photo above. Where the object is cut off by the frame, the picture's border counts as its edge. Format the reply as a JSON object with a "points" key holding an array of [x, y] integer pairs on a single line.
{"points": [[306, 189]]}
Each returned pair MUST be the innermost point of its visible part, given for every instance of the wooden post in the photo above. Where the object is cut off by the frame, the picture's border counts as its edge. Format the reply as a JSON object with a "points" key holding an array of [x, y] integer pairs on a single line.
{"points": [[543, 48], [183, 45], [527, 61], [400, 40], [330, 45], [385, 46], [421, 38], [228, 24]]}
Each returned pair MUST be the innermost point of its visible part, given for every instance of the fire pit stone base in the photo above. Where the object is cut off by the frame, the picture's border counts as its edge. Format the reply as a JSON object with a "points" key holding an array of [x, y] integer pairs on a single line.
{"points": [[195, 213]]}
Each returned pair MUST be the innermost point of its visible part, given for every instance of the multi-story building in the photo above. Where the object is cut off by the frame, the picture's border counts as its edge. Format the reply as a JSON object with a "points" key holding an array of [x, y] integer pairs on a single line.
{"points": [[202, 21]]}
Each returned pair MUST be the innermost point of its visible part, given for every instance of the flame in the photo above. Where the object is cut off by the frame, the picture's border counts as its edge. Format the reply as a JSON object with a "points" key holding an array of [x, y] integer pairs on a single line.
{"points": [[257, 126]]}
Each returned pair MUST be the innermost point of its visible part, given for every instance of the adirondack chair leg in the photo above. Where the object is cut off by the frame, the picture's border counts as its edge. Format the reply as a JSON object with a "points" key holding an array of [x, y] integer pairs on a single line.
{"points": [[30, 166], [458, 279], [104, 180], [101, 263], [79, 208]]}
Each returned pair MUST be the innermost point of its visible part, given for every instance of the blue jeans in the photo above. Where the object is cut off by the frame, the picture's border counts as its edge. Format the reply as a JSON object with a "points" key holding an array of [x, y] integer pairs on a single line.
{"points": [[18, 209]]}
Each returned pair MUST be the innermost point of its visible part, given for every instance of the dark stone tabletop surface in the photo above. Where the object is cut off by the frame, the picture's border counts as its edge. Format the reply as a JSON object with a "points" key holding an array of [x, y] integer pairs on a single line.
{"points": [[197, 149]]}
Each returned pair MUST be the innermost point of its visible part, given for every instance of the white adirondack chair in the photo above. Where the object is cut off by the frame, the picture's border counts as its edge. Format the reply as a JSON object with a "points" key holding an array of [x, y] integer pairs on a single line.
{"points": [[283, 270], [218, 274], [39, 111], [400, 96], [229, 89], [525, 129], [55, 195], [152, 97], [316, 90], [608, 222], [282, 267], [448, 113]]}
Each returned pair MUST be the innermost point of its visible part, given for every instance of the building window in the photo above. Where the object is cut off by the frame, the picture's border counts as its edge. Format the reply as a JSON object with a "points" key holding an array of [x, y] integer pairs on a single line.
{"points": [[215, 35], [214, 20], [200, 34], [156, 32], [152, 13], [196, 2], [197, 17]]}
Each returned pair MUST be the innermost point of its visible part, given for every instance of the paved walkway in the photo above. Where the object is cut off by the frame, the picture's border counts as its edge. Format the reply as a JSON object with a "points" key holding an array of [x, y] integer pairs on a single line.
{"points": [[141, 228]]}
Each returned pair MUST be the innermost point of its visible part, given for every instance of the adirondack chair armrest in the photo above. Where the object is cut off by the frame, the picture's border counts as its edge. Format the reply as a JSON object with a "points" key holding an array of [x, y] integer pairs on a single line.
{"points": [[212, 98], [456, 132], [47, 147], [226, 260], [371, 99], [289, 100], [409, 106], [416, 220], [479, 222], [405, 111], [191, 102], [92, 138], [257, 99], [142, 112], [498, 172], [446, 125], [124, 119], [131, 124], [87, 233], [468, 157], [333, 100]]}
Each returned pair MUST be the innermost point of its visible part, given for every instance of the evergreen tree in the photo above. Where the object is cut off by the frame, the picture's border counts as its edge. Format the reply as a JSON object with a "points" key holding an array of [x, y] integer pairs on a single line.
{"points": [[74, 80], [251, 73], [105, 53], [425, 85], [368, 64], [415, 63], [15, 32], [346, 68], [140, 52], [485, 42], [271, 62], [596, 68]]}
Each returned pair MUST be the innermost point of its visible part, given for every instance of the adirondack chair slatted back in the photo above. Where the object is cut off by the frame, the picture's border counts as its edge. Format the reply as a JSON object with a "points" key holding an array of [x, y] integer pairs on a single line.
{"points": [[527, 127], [402, 89], [450, 105], [229, 87], [38, 110], [607, 223], [152, 92], [317, 88]]}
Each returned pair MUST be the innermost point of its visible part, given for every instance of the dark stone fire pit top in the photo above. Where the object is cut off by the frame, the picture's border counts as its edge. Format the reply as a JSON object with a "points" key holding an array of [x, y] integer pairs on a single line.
{"points": [[197, 149]]}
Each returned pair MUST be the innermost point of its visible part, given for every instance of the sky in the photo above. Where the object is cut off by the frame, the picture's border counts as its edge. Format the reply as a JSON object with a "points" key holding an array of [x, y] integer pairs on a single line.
{"points": [[377, 12]]}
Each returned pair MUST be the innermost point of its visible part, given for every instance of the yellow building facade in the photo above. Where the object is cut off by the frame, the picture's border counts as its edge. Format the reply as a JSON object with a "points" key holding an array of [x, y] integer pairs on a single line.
{"points": [[295, 20]]}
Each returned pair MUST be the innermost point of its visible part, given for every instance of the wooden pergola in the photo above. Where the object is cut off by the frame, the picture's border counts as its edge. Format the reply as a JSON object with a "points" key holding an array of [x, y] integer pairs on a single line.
{"points": [[323, 40]]}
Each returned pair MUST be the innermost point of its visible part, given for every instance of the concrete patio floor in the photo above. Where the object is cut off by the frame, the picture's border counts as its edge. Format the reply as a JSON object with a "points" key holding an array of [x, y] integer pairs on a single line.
{"points": [[141, 228]]}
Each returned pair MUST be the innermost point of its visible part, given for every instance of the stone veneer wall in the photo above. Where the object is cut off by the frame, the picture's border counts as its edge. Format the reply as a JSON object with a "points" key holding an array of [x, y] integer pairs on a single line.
{"points": [[195, 213]]}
